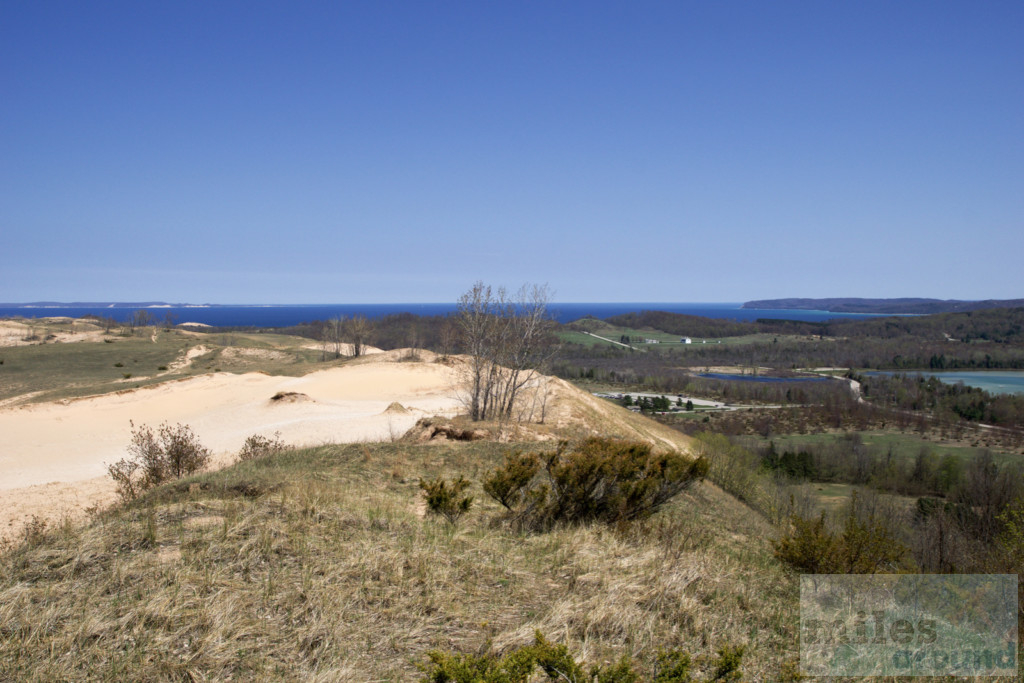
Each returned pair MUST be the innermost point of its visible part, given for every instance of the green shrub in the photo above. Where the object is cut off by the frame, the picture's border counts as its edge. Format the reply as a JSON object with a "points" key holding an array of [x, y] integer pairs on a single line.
{"points": [[507, 484], [808, 546], [555, 662], [447, 499], [673, 667], [1010, 541], [156, 457], [599, 479], [727, 666], [864, 546], [517, 666]]}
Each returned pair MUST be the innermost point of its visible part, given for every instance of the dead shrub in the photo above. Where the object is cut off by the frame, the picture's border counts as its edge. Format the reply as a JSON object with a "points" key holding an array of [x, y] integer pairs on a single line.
{"points": [[171, 452], [258, 446]]}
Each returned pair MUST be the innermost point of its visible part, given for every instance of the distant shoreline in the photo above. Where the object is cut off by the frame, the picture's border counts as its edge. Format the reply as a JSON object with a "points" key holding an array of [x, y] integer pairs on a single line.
{"points": [[905, 306]]}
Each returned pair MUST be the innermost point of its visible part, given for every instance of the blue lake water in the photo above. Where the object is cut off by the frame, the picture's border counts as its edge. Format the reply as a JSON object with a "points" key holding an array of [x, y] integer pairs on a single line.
{"points": [[284, 315], [992, 381]]}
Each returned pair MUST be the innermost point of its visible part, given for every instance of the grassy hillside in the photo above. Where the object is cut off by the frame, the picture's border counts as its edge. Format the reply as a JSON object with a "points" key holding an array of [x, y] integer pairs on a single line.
{"points": [[320, 564]]}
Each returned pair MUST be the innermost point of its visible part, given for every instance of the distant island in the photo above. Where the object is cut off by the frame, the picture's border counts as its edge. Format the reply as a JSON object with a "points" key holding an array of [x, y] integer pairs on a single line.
{"points": [[855, 305]]}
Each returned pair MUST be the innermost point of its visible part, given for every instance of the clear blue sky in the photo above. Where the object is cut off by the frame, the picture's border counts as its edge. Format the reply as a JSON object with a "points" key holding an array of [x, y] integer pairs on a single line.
{"points": [[306, 152]]}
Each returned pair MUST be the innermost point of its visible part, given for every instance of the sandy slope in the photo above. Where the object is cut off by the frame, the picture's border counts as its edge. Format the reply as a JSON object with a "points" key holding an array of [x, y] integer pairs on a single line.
{"points": [[70, 442]]}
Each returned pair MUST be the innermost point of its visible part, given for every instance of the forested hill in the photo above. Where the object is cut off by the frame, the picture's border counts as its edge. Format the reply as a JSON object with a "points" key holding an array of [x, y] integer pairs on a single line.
{"points": [[1000, 325], [854, 305]]}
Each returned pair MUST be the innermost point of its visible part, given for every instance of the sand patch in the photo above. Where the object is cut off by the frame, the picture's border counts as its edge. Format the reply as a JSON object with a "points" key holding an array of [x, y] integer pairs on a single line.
{"points": [[52, 503], [21, 398], [185, 359]]}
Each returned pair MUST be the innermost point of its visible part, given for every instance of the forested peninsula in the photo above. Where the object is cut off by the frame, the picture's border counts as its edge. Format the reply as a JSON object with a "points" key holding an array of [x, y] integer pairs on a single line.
{"points": [[896, 306]]}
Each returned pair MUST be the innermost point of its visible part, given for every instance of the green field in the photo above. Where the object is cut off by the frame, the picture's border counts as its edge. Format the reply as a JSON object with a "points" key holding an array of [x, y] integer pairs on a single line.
{"points": [[614, 333], [903, 446]]}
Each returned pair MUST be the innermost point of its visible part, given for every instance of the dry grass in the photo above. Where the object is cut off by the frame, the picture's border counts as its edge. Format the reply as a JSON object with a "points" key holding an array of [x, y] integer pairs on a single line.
{"points": [[318, 565]]}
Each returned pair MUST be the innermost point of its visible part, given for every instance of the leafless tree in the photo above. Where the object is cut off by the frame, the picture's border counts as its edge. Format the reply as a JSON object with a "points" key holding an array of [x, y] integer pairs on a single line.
{"points": [[507, 338], [139, 318], [358, 330], [448, 333], [335, 330]]}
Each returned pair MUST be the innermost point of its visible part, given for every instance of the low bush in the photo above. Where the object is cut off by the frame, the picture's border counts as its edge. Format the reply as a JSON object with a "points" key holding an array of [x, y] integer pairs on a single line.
{"points": [[863, 546], [257, 446], [156, 457], [447, 500], [598, 479], [556, 663]]}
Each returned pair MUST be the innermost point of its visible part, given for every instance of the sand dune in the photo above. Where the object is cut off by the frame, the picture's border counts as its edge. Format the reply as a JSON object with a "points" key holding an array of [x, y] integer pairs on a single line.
{"points": [[58, 451]]}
